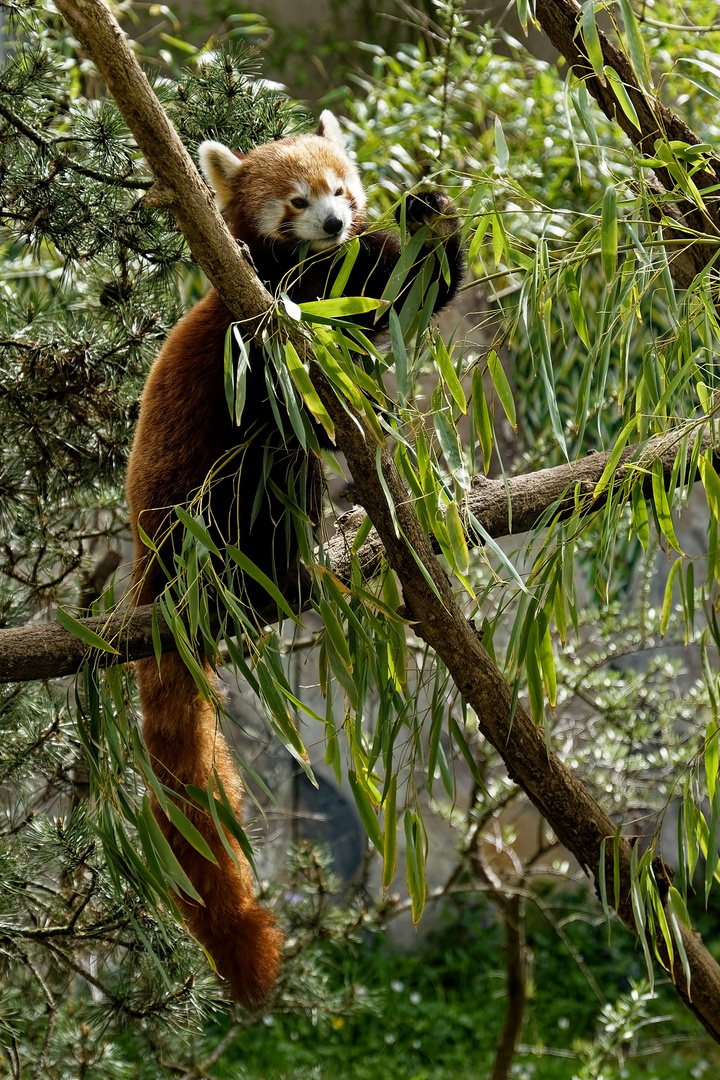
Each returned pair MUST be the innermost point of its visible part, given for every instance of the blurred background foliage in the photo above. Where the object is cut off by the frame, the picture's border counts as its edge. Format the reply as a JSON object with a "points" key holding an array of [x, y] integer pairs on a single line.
{"points": [[98, 980]]}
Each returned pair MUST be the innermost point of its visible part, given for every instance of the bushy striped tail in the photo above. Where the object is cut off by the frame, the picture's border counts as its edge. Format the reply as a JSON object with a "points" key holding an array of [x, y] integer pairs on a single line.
{"points": [[185, 747]]}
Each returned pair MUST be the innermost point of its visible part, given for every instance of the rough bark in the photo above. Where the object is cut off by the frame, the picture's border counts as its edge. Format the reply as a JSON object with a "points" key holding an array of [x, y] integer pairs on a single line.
{"points": [[578, 821]]}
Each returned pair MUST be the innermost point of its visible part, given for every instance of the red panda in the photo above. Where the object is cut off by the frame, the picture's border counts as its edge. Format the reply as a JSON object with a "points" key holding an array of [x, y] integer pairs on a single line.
{"points": [[281, 199]]}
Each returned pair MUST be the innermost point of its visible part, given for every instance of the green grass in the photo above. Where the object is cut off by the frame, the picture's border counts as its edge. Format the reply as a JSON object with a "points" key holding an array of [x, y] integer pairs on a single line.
{"points": [[435, 1012]]}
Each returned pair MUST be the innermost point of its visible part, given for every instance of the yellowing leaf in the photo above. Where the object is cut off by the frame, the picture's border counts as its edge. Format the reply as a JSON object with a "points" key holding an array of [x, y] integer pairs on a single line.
{"points": [[458, 544], [502, 386], [307, 391]]}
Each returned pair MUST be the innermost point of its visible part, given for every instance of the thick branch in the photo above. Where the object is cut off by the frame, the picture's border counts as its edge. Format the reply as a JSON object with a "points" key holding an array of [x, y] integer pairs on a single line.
{"points": [[515, 505], [578, 821]]}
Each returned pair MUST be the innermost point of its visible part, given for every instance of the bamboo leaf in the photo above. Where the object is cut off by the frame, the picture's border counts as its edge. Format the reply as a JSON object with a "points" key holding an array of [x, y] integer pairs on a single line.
{"points": [[622, 95], [667, 599], [229, 373], [637, 899], [609, 233], [248, 567], [352, 250], [458, 736], [207, 800], [399, 354], [481, 416], [636, 48], [711, 758], [186, 828], [592, 39], [449, 375], [281, 720], [196, 526], [242, 366], [690, 812], [502, 387], [609, 471], [602, 880], [448, 438], [674, 921], [711, 483], [547, 664], [390, 838], [478, 237], [711, 852], [458, 545], [661, 920], [307, 391], [488, 541], [616, 868], [662, 507], [157, 643], [366, 811], [577, 308], [677, 905], [339, 307], [166, 856], [501, 147], [534, 676], [89, 637], [415, 864], [640, 522], [335, 631], [328, 362]]}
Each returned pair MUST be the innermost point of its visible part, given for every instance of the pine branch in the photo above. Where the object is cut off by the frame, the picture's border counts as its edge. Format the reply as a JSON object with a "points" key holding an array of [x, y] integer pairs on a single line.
{"points": [[63, 161]]}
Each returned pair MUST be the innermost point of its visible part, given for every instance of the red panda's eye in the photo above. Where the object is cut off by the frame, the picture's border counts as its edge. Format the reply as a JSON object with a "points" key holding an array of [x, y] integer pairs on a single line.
{"points": [[299, 203]]}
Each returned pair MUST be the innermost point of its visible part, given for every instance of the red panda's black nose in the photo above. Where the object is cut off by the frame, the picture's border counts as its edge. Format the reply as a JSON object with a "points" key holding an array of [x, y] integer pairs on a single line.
{"points": [[332, 225]]}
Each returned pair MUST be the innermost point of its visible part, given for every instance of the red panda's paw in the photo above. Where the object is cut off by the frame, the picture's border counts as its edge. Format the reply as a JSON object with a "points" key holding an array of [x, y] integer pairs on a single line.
{"points": [[433, 209]]}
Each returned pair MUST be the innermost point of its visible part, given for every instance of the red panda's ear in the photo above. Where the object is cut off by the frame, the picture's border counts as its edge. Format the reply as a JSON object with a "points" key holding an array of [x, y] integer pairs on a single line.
{"points": [[329, 128], [220, 166]]}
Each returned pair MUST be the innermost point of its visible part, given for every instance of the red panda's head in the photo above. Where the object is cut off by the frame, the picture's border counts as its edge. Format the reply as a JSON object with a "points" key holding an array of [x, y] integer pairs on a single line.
{"points": [[303, 188]]}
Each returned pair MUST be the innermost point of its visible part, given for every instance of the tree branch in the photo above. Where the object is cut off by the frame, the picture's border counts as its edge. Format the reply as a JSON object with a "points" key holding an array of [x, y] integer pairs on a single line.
{"points": [[504, 507], [561, 21], [578, 821]]}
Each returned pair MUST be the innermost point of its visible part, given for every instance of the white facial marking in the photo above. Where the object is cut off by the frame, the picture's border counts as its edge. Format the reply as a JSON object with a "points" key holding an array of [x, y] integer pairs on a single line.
{"points": [[271, 218], [325, 222], [355, 188]]}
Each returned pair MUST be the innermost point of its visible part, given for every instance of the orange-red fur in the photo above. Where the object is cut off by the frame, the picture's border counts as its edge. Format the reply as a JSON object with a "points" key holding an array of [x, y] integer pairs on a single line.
{"points": [[185, 746], [185, 429], [173, 451]]}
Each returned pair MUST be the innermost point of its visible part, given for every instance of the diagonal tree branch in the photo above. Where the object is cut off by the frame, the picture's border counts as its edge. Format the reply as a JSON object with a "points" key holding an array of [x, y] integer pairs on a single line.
{"points": [[578, 821]]}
